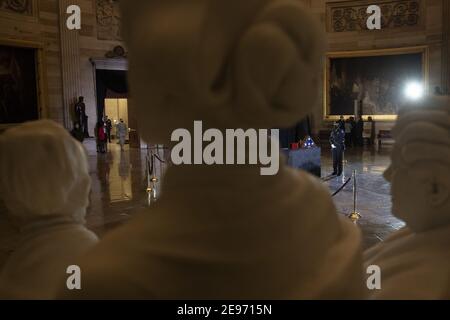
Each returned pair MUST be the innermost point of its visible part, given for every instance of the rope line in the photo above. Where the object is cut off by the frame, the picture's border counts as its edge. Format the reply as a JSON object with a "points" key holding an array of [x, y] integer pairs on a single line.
{"points": [[342, 187]]}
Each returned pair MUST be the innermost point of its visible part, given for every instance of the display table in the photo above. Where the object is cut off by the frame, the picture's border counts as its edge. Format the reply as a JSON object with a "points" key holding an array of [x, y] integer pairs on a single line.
{"points": [[308, 159]]}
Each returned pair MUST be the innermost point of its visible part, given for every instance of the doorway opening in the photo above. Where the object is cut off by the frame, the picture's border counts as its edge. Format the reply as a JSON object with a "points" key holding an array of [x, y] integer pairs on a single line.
{"points": [[112, 97], [116, 109]]}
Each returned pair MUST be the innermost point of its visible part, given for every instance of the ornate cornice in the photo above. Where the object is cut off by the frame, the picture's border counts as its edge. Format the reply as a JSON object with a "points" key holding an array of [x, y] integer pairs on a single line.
{"points": [[119, 63], [352, 15], [24, 7]]}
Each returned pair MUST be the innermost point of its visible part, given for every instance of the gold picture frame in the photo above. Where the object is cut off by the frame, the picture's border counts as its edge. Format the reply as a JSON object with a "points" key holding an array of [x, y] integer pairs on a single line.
{"points": [[328, 116], [41, 83]]}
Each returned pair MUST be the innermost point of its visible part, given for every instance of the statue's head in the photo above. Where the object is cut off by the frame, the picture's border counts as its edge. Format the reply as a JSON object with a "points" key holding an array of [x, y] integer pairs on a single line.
{"points": [[44, 173], [234, 63], [420, 168]]}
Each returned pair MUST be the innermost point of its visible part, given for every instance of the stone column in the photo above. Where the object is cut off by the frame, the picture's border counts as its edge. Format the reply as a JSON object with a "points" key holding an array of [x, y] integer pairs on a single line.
{"points": [[70, 62], [446, 46]]}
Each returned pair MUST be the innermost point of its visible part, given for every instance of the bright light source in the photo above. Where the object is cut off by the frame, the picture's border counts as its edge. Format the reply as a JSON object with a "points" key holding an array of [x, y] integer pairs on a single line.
{"points": [[414, 90]]}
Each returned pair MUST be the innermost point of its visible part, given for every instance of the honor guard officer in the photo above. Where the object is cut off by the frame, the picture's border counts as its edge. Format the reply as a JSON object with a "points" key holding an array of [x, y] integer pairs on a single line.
{"points": [[337, 141]]}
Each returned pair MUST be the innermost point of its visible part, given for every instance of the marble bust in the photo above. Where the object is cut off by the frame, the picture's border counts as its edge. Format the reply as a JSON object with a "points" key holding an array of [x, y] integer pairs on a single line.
{"points": [[226, 232], [415, 261], [45, 186]]}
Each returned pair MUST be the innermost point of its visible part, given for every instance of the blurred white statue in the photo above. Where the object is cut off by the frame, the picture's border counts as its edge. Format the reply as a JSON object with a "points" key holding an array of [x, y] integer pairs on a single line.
{"points": [[9, 234], [225, 231], [44, 185], [415, 261]]}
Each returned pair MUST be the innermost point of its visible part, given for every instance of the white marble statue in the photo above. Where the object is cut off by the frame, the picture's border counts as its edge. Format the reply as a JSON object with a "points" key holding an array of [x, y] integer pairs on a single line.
{"points": [[415, 261], [44, 185], [8, 235], [226, 231]]}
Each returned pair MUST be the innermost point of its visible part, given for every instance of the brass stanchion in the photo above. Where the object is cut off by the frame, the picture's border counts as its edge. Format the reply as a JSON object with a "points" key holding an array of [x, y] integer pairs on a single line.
{"points": [[155, 154], [152, 180], [355, 215]]}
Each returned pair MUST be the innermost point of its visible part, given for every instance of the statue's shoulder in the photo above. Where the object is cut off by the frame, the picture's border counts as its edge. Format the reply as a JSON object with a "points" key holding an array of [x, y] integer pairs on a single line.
{"points": [[308, 181]]}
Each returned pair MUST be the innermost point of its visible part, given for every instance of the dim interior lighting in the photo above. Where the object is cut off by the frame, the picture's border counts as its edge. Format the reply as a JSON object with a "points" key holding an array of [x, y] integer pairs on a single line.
{"points": [[414, 90]]}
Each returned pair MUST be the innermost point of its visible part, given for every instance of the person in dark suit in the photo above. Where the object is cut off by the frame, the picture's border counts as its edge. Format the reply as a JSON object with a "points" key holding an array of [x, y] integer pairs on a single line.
{"points": [[352, 138], [359, 129], [337, 141], [342, 123], [108, 127]]}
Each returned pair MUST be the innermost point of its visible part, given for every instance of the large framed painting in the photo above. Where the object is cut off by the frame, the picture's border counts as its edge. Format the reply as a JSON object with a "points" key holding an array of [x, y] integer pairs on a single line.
{"points": [[372, 83], [19, 85]]}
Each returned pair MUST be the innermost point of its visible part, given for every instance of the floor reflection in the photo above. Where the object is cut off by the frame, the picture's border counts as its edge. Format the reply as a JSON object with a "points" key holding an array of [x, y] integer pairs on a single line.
{"points": [[118, 185], [119, 178], [120, 188]]}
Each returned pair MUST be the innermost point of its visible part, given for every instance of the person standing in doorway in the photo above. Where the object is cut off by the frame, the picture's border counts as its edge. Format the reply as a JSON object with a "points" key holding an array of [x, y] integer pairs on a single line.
{"points": [[122, 130], [108, 127], [337, 141]]}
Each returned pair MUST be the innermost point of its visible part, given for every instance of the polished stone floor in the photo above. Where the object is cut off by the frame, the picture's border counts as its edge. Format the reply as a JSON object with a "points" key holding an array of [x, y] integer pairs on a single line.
{"points": [[118, 185], [373, 192], [120, 189]]}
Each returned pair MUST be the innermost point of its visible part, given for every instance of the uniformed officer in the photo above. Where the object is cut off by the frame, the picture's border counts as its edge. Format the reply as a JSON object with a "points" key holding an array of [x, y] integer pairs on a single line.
{"points": [[337, 141]]}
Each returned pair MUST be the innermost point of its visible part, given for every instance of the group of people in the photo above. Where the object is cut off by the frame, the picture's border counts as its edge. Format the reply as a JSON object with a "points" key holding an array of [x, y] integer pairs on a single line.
{"points": [[102, 130], [103, 134], [357, 130], [214, 234]]}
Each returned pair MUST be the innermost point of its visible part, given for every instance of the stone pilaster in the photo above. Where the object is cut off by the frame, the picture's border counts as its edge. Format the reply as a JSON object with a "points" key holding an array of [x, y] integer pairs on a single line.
{"points": [[446, 47], [70, 62]]}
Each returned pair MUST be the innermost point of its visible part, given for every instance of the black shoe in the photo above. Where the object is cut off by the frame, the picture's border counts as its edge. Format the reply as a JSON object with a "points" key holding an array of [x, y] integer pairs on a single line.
{"points": [[334, 173], [339, 174]]}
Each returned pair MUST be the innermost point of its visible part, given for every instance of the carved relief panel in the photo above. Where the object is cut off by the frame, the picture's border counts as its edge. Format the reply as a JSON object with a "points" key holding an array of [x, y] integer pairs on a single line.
{"points": [[352, 15], [24, 7], [108, 20]]}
